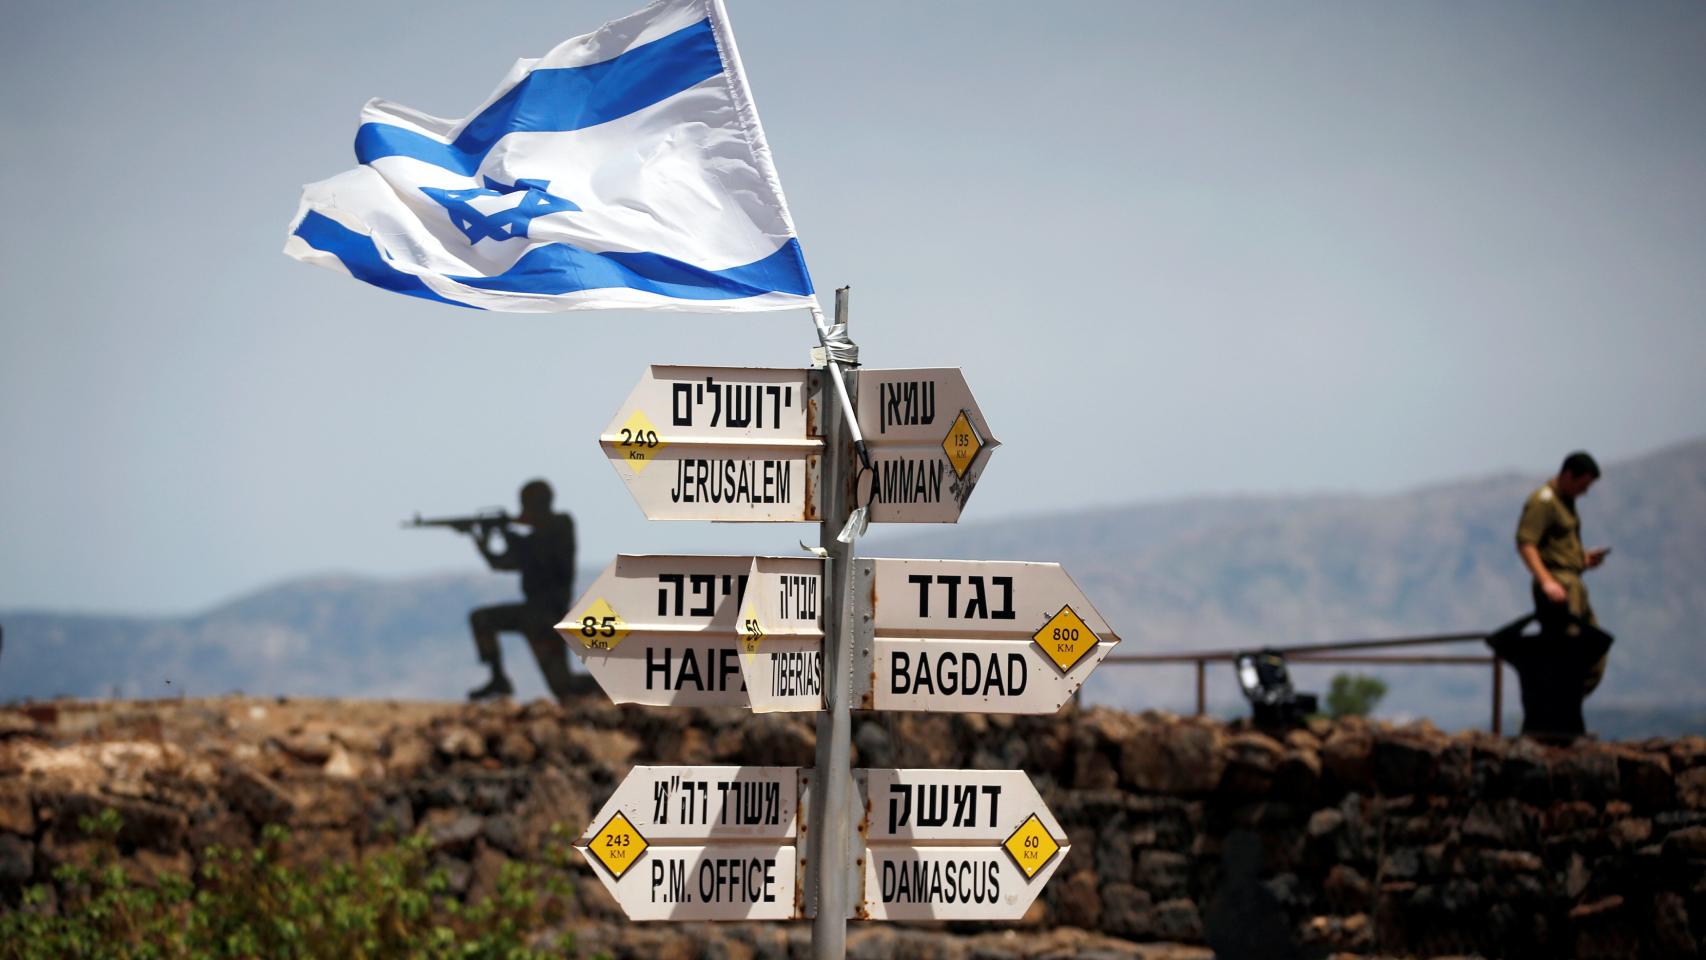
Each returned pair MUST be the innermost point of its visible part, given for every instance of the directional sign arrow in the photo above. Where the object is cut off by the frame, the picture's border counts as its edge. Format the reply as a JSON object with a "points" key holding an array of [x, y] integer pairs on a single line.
{"points": [[781, 635], [721, 843], [720, 443], [745, 444], [700, 843], [973, 636], [928, 443], [955, 844], [663, 630]]}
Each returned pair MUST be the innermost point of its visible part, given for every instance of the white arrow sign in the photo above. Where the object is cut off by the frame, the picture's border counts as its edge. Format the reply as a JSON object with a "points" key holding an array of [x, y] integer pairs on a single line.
{"points": [[720, 443], [745, 444], [700, 843], [973, 636], [955, 844], [928, 444], [663, 630], [781, 635], [721, 843]]}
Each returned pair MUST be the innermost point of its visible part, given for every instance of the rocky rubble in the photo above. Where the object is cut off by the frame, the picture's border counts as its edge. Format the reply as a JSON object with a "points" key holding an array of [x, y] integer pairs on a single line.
{"points": [[1352, 837]]}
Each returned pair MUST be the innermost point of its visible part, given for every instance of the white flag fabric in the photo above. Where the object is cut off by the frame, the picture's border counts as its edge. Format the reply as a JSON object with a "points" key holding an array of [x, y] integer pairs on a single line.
{"points": [[625, 168]]}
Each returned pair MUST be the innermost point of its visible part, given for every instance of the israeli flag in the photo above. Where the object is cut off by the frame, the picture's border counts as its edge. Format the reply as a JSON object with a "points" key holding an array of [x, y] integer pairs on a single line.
{"points": [[625, 168]]}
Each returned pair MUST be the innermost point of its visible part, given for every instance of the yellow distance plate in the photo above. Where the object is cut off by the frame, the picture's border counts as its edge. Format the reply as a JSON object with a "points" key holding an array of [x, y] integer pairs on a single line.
{"points": [[1066, 638], [961, 444], [751, 632], [1031, 847], [638, 441], [618, 846], [600, 627]]}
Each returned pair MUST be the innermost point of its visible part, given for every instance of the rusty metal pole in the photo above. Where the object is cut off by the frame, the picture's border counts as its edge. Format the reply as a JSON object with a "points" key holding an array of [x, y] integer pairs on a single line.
{"points": [[1202, 687], [1498, 696], [831, 825]]}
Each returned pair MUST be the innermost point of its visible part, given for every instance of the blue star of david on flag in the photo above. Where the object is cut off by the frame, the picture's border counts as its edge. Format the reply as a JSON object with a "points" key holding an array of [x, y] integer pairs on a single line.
{"points": [[502, 224], [625, 169]]}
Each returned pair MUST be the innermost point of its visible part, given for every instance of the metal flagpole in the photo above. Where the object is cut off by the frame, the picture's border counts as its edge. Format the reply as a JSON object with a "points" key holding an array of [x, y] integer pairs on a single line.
{"points": [[831, 826]]}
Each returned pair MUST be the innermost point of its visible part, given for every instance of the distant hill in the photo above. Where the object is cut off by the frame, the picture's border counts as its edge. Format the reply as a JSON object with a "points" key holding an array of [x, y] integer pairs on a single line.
{"points": [[1191, 574], [1200, 574], [326, 636]]}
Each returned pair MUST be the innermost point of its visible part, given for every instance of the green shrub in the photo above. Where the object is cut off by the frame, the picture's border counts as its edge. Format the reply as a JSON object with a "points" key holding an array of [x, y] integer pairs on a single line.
{"points": [[1354, 694], [247, 904]]}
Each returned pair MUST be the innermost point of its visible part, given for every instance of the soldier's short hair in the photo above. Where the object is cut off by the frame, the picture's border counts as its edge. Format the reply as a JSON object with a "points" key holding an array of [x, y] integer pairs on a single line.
{"points": [[1580, 464], [537, 491]]}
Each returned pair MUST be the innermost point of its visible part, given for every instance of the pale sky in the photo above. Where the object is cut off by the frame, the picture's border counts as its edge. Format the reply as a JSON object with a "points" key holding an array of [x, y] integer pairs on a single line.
{"points": [[1177, 248]]}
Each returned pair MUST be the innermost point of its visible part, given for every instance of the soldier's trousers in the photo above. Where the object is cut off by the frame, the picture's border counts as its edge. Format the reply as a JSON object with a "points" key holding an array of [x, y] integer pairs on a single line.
{"points": [[535, 622], [1577, 605]]}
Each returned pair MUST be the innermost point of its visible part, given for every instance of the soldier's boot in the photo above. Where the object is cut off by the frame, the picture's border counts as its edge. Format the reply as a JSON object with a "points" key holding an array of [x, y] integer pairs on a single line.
{"points": [[498, 686]]}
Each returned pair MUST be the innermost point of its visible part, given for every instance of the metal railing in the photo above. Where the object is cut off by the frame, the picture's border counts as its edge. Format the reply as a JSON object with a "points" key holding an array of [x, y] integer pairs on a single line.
{"points": [[1336, 653]]}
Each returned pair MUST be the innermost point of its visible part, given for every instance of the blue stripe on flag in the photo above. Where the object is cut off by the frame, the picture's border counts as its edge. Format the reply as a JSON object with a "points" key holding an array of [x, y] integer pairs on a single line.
{"points": [[560, 99], [559, 268], [362, 258]]}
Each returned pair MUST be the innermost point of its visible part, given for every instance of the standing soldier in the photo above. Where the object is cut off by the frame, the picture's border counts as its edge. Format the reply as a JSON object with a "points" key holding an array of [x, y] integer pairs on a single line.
{"points": [[545, 557], [1549, 540]]}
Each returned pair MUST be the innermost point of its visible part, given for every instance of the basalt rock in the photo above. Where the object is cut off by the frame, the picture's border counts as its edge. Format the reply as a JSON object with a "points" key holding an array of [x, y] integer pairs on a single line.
{"points": [[17, 814], [1691, 788], [1406, 764], [1177, 758], [1252, 759], [1348, 756], [1355, 834], [17, 860]]}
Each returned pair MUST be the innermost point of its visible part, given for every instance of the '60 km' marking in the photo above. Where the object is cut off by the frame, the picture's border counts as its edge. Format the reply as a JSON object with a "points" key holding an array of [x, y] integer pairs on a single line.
{"points": [[1030, 846]]}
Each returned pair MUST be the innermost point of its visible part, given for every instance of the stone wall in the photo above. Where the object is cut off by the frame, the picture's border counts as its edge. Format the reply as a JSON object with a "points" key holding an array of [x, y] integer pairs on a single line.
{"points": [[1351, 837]]}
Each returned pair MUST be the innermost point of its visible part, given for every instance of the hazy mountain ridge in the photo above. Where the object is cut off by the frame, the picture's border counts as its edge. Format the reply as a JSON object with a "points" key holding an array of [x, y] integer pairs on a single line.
{"points": [[330, 635], [1185, 575], [1241, 572]]}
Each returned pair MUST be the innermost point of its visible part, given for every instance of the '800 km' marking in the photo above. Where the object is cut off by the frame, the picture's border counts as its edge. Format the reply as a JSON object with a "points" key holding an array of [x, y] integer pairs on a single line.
{"points": [[1066, 639]]}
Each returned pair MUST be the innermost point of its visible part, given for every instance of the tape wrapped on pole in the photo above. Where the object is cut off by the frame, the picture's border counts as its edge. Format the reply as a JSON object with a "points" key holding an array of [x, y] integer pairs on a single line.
{"points": [[839, 349], [838, 346], [857, 522]]}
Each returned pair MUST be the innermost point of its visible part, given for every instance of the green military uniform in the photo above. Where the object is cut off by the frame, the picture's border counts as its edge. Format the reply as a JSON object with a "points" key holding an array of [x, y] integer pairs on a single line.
{"points": [[1549, 524]]}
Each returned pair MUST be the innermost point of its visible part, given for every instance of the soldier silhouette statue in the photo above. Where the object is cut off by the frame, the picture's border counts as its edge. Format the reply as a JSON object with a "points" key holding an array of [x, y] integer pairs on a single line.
{"points": [[545, 558]]}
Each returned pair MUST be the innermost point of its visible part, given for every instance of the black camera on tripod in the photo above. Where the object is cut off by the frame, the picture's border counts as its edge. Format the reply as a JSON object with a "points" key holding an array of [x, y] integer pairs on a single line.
{"points": [[1267, 685]]}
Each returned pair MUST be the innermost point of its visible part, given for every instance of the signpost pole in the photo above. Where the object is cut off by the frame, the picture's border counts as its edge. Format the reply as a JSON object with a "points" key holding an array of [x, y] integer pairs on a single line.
{"points": [[832, 786]]}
